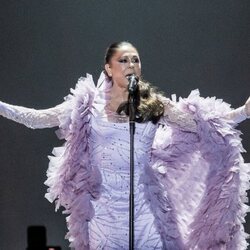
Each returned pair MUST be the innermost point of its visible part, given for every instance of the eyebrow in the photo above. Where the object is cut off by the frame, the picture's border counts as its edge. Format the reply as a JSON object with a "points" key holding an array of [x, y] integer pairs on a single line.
{"points": [[134, 56]]}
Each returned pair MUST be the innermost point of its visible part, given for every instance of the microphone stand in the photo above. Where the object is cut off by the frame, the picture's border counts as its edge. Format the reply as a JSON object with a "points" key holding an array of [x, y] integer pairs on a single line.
{"points": [[131, 103]]}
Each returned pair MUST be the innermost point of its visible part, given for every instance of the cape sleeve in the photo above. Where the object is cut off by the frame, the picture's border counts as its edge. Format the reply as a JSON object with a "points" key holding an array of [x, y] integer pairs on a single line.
{"points": [[204, 174], [72, 182]]}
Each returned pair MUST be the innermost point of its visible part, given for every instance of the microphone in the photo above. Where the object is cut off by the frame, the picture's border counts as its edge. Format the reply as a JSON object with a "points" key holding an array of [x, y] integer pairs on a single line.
{"points": [[132, 83]]}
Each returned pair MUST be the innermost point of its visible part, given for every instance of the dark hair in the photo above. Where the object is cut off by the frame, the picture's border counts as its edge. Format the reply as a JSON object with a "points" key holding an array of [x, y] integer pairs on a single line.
{"points": [[148, 104], [149, 107], [112, 49]]}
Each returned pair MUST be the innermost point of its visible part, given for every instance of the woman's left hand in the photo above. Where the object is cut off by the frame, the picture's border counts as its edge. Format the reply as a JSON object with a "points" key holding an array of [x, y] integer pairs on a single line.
{"points": [[247, 107]]}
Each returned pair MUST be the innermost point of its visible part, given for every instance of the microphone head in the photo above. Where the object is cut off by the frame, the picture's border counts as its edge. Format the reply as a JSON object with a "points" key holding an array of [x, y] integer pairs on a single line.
{"points": [[132, 77], [132, 83]]}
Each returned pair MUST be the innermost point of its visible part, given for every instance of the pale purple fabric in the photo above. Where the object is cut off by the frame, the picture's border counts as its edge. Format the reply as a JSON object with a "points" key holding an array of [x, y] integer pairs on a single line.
{"points": [[205, 177], [191, 184], [109, 150]]}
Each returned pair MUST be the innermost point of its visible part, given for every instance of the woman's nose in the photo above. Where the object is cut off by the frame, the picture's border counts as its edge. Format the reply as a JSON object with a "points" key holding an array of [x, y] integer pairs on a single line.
{"points": [[131, 64]]}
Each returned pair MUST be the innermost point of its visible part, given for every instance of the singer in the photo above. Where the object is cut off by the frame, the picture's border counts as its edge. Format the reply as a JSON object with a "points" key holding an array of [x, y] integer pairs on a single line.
{"points": [[190, 177]]}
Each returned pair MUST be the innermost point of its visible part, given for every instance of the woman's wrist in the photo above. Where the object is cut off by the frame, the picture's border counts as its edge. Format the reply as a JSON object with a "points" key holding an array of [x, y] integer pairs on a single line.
{"points": [[247, 111], [247, 108], [238, 115], [244, 112]]}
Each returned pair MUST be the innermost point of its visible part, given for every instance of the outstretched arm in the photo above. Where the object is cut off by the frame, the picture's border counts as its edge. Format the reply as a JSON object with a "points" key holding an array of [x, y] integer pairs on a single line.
{"points": [[174, 114], [240, 114], [32, 118]]}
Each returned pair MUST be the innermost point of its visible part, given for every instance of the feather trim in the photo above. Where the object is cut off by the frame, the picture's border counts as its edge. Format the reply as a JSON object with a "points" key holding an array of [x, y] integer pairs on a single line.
{"points": [[204, 176], [72, 182]]}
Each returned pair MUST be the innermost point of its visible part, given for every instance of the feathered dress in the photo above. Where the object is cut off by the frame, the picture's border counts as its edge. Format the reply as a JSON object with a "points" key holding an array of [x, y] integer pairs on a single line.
{"points": [[190, 177]]}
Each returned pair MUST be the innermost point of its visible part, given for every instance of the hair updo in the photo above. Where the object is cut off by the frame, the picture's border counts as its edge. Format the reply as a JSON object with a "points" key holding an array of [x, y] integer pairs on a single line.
{"points": [[113, 48], [149, 107]]}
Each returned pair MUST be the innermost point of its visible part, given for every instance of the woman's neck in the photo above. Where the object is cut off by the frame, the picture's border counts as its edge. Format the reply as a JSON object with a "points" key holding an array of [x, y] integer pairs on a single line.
{"points": [[118, 95]]}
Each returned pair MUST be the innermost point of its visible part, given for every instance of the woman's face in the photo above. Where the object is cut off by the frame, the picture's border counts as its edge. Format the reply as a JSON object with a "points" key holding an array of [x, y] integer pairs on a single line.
{"points": [[124, 62]]}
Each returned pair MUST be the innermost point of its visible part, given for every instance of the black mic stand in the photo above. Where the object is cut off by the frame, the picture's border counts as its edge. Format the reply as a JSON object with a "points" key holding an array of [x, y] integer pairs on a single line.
{"points": [[131, 103]]}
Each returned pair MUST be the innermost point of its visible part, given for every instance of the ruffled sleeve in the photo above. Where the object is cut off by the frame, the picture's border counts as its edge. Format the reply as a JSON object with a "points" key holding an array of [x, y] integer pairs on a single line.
{"points": [[204, 175], [72, 182], [182, 113]]}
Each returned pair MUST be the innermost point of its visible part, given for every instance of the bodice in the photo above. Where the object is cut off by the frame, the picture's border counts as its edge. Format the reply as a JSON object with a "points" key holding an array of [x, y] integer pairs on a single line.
{"points": [[109, 145]]}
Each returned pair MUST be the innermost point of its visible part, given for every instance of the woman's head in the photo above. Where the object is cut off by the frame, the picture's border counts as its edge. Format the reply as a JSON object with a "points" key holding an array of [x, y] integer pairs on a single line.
{"points": [[122, 59]]}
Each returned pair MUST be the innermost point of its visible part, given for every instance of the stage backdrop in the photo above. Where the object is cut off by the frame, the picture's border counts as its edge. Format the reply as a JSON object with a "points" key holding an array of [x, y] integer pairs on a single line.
{"points": [[46, 45]]}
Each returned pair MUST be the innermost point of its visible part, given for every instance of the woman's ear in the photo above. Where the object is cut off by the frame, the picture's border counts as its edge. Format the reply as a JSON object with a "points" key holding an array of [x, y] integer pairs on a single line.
{"points": [[108, 70]]}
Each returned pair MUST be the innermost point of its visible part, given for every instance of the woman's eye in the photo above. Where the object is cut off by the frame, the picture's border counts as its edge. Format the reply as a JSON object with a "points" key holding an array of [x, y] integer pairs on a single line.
{"points": [[123, 60], [135, 60]]}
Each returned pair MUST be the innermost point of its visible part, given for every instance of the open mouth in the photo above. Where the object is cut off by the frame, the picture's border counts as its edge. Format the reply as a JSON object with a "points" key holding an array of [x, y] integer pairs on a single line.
{"points": [[132, 77], [128, 75]]}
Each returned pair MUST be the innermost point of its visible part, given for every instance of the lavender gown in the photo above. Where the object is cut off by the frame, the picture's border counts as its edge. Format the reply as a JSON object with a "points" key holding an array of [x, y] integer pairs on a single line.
{"points": [[109, 147], [190, 181]]}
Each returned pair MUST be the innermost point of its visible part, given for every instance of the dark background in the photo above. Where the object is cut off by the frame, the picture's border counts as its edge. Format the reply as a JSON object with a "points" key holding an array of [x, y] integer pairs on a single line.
{"points": [[46, 45]]}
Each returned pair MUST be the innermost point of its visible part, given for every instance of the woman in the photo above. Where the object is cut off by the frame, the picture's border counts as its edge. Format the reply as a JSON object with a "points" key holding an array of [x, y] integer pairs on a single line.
{"points": [[190, 178]]}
